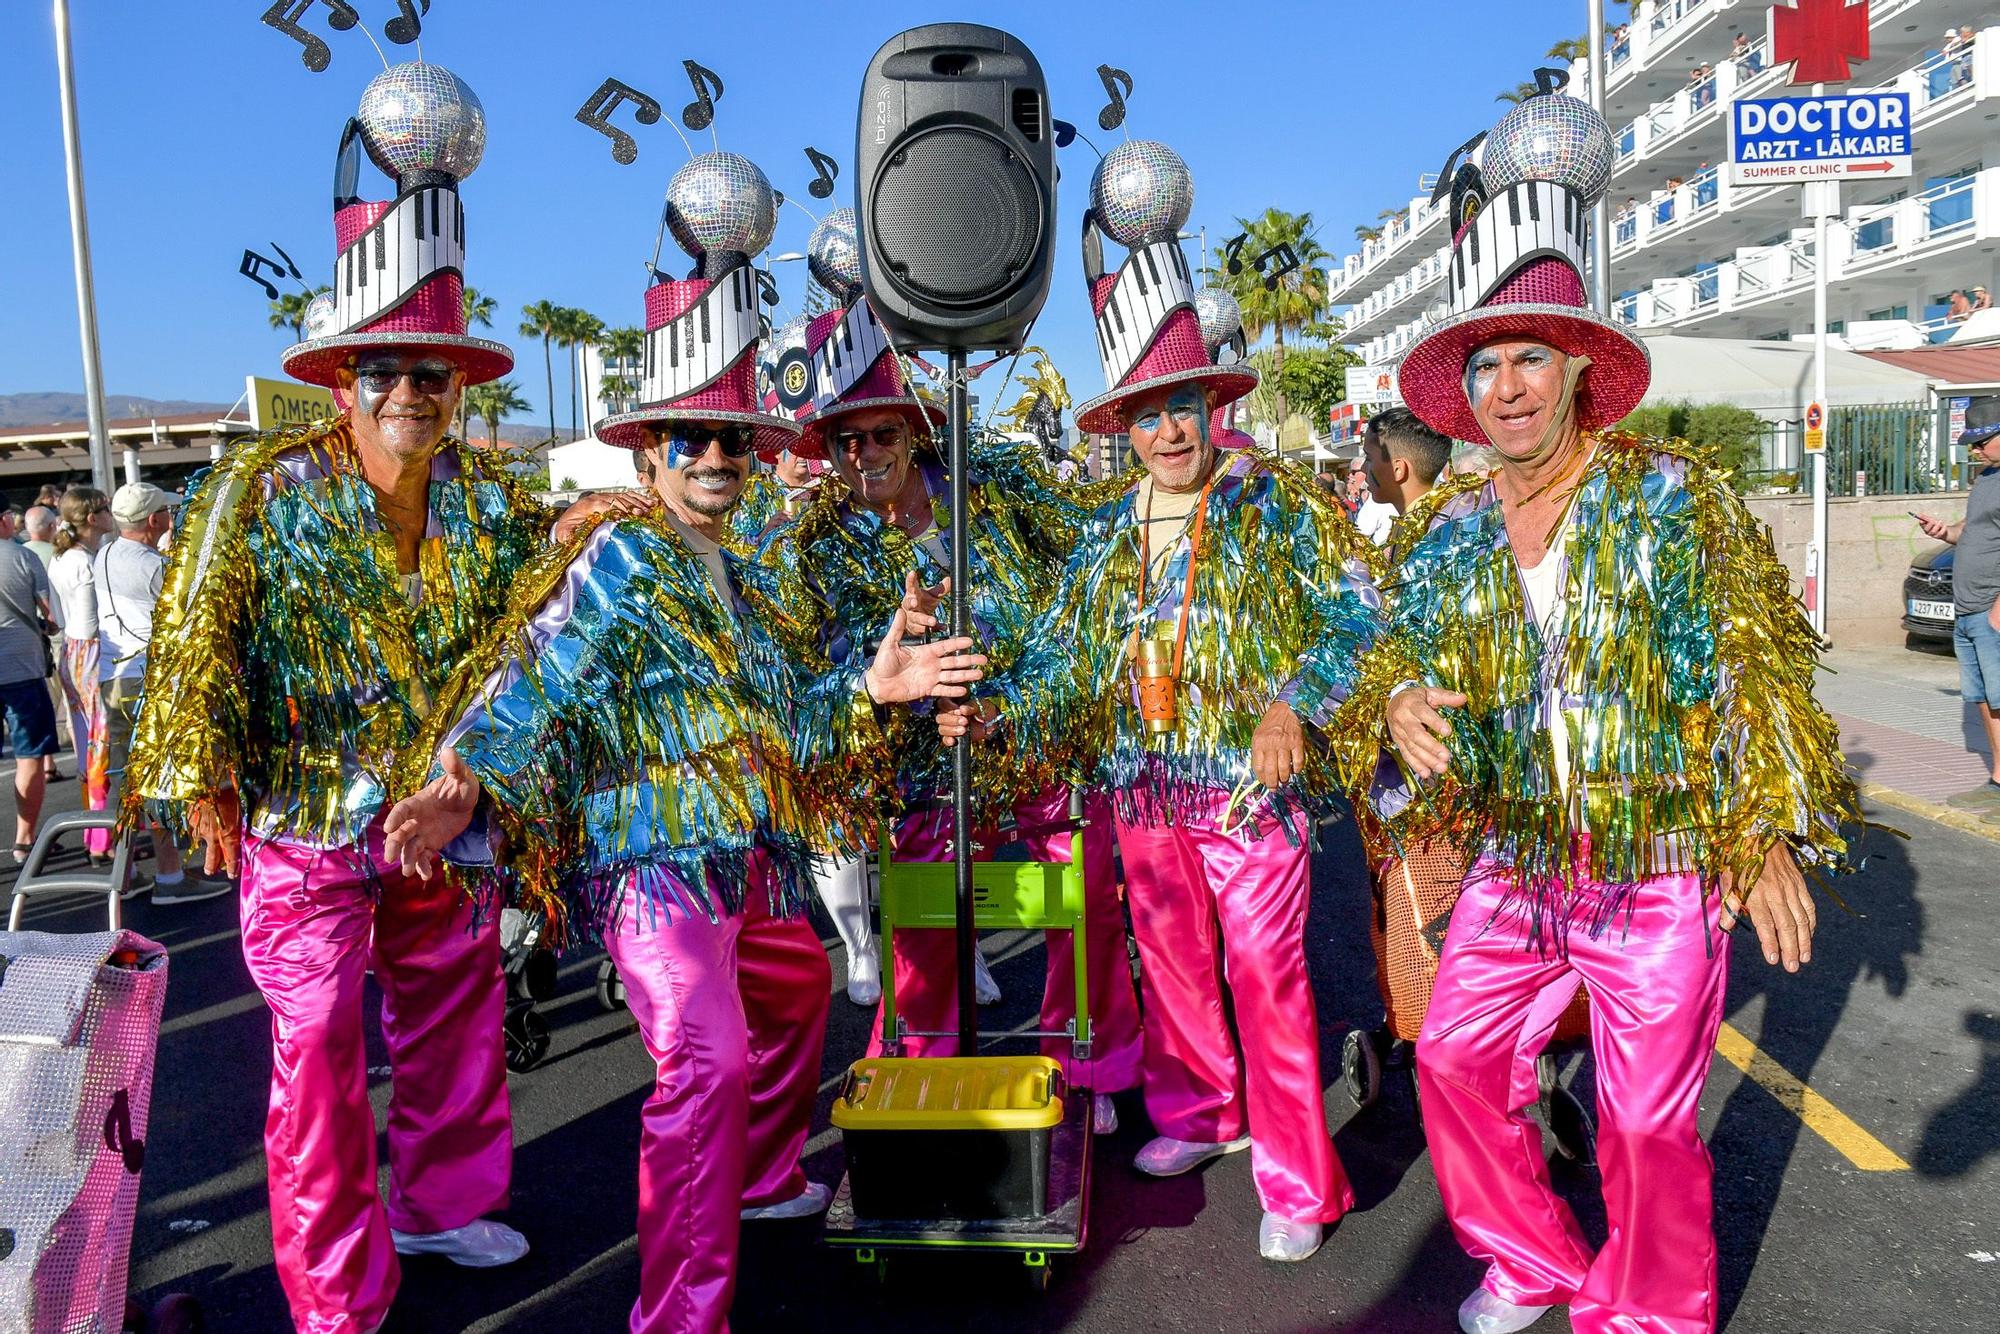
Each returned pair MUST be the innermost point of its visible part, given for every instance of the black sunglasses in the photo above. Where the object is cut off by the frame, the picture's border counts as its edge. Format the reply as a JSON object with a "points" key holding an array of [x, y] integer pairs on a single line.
{"points": [[691, 442], [885, 436], [429, 378]]}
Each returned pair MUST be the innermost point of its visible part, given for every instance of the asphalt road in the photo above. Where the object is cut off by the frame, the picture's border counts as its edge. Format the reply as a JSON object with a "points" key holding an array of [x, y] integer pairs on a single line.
{"points": [[1896, 1024]]}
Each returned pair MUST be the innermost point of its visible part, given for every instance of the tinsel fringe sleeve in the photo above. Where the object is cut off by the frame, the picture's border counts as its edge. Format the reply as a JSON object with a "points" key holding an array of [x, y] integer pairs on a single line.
{"points": [[193, 718], [1050, 512], [1338, 573], [1779, 772]]}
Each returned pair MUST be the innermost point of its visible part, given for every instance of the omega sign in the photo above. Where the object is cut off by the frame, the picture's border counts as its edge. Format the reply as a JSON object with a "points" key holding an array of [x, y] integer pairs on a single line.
{"points": [[276, 403]]}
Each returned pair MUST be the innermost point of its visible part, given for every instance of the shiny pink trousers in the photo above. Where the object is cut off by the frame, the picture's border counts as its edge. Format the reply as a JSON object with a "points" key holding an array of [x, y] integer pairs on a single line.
{"points": [[312, 929], [1655, 980], [1200, 890], [927, 959], [733, 1013]]}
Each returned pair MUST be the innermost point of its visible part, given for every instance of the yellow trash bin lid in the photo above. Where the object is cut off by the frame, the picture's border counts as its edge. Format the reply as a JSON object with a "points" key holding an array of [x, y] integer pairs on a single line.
{"points": [[951, 1093]]}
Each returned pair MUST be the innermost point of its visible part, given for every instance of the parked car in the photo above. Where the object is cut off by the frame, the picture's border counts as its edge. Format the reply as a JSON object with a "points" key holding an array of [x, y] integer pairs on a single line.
{"points": [[1928, 615]]}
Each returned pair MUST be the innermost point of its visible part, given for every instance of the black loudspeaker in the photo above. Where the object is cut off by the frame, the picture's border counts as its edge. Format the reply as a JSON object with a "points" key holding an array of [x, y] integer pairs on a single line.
{"points": [[955, 186]]}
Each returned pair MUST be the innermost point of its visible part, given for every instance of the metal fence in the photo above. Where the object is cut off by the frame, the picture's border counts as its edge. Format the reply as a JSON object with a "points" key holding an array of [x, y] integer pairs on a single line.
{"points": [[1880, 449]]}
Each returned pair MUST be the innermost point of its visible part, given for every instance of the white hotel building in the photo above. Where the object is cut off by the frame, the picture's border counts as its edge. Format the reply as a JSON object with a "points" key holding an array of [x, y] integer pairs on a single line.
{"points": [[1693, 255]]}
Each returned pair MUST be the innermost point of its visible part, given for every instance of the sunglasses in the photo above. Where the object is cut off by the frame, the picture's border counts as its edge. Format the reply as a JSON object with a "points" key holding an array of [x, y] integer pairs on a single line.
{"points": [[430, 377], [885, 437], [691, 442], [1184, 407]]}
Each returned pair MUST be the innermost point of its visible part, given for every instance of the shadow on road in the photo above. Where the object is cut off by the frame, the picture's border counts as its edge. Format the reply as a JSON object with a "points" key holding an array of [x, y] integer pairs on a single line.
{"points": [[1965, 1130]]}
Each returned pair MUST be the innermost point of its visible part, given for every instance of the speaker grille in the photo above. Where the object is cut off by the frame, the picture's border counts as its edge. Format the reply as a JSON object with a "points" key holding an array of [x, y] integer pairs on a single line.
{"points": [[956, 217]]}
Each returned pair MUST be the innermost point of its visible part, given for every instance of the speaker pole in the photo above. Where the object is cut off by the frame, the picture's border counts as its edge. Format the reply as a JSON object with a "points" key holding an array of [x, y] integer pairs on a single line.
{"points": [[960, 408]]}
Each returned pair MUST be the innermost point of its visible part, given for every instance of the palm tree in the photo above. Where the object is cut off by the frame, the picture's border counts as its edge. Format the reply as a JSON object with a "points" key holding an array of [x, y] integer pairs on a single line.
{"points": [[492, 401], [1520, 93], [1365, 233], [479, 311], [623, 348], [1570, 48], [580, 330], [289, 311], [1299, 298], [544, 320], [615, 390]]}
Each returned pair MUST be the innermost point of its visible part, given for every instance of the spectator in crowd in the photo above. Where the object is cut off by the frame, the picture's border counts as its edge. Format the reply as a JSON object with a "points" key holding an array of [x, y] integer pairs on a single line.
{"points": [[40, 527], [1959, 308], [1371, 516], [1480, 459], [10, 524], [1631, 206], [86, 525], [50, 495], [1951, 41], [1975, 595], [24, 689], [1980, 299], [1740, 47], [1404, 457], [127, 573]]}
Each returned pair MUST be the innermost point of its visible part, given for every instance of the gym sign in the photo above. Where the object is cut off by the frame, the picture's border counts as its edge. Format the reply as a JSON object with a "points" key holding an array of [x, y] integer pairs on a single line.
{"points": [[1787, 140]]}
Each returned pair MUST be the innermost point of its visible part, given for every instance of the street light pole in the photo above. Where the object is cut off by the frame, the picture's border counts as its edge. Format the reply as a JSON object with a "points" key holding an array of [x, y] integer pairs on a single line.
{"points": [[79, 236], [1600, 215], [1822, 200]]}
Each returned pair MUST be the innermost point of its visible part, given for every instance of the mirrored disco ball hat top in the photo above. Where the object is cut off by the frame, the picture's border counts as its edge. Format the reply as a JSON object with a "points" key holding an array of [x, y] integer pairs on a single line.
{"points": [[1522, 210], [1221, 320], [1150, 333], [398, 281], [700, 356], [833, 255]]}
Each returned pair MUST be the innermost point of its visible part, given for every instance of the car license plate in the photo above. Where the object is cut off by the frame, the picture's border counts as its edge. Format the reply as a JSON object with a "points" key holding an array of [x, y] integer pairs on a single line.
{"points": [[1922, 609]]}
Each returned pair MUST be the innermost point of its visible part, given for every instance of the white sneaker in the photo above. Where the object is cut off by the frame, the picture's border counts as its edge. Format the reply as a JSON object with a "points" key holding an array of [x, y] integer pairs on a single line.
{"points": [[864, 978], [1103, 1115], [1165, 1156], [190, 888], [480, 1244], [1288, 1240], [812, 1200], [984, 989], [1484, 1313]]}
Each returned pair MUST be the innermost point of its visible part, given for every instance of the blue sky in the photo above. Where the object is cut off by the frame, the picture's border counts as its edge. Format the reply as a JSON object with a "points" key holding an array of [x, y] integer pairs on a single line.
{"points": [[204, 135]]}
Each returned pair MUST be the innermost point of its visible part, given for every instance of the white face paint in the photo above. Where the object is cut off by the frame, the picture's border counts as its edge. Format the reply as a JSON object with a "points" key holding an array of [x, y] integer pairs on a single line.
{"points": [[403, 403]]}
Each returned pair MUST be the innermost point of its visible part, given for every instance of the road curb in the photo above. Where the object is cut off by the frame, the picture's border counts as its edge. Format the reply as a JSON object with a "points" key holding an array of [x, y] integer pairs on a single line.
{"points": [[1963, 821]]}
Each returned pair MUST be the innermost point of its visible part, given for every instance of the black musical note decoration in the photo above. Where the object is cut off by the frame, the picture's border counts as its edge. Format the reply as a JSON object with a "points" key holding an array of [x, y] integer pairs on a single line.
{"points": [[596, 113], [1232, 252], [118, 1135], [1550, 79], [254, 264], [828, 169], [286, 16], [404, 28], [700, 113], [1065, 133], [6, 1242], [1282, 259], [1093, 250], [777, 199], [1451, 165], [767, 287], [1113, 114]]}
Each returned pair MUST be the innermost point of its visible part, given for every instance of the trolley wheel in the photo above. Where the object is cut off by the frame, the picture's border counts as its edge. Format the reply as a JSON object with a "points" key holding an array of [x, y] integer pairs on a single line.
{"points": [[1570, 1126], [527, 1035], [1041, 1273], [1361, 1068], [610, 987], [176, 1314]]}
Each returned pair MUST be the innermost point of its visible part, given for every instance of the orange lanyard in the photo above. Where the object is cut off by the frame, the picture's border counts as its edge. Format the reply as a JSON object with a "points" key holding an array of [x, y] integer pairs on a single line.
{"points": [[1194, 554]]}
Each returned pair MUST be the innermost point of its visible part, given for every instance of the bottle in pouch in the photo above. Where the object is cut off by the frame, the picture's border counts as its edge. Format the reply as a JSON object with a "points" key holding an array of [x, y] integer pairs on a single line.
{"points": [[1157, 710]]}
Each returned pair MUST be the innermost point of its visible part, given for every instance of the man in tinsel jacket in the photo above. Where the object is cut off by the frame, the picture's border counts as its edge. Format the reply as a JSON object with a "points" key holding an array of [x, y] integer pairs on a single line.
{"points": [[323, 584], [1595, 670], [877, 539], [664, 770], [1209, 614]]}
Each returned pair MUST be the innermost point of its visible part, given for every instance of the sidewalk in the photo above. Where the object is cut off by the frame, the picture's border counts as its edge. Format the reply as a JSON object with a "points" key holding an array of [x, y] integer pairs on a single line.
{"points": [[1908, 736]]}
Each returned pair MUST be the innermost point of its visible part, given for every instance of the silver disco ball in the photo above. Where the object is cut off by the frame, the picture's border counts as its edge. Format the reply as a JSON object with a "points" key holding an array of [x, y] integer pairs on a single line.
{"points": [[321, 317], [720, 203], [833, 253], [1554, 137], [420, 117], [790, 334], [1142, 189], [1219, 315]]}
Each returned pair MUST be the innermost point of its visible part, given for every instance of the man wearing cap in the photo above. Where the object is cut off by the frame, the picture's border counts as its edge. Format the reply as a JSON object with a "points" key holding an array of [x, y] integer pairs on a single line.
{"points": [[324, 582], [665, 767], [128, 573], [878, 541], [1208, 615], [1595, 672]]}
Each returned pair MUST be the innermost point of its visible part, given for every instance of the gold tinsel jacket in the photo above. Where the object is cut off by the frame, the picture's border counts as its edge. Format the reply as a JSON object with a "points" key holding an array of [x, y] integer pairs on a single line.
{"points": [[1684, 663], [286, 659]]}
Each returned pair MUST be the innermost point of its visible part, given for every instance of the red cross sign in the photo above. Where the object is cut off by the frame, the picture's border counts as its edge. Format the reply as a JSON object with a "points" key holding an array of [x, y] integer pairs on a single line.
{"points": [[1821, 37]]}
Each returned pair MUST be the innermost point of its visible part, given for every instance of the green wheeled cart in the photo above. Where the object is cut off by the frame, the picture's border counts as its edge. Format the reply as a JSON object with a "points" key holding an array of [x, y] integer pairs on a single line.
{"points": [[980, 1153]]}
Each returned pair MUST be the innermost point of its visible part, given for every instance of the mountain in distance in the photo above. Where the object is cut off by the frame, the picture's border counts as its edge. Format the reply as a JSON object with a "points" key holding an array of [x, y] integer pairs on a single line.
{"points": [[51, 409]]}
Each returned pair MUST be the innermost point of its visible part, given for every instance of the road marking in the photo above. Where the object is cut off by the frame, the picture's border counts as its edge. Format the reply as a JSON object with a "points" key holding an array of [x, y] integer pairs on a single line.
{"points": [[1821, 1117]]}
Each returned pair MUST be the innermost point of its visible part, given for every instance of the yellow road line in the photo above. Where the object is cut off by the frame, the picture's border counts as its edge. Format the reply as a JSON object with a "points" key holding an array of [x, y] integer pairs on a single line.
{"points": [[1821, 1117]]}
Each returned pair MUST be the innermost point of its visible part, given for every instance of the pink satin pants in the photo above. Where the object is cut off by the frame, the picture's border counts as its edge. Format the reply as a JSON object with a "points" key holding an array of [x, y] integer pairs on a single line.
{"points": [[927, 959], [1198, 893], [733, 1013], [1655, 982], [312, 929]]}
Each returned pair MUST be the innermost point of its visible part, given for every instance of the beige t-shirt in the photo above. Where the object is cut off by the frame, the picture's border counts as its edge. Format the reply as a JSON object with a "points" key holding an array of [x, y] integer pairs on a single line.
{"points": [[711, 559], [1546, 596]]}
